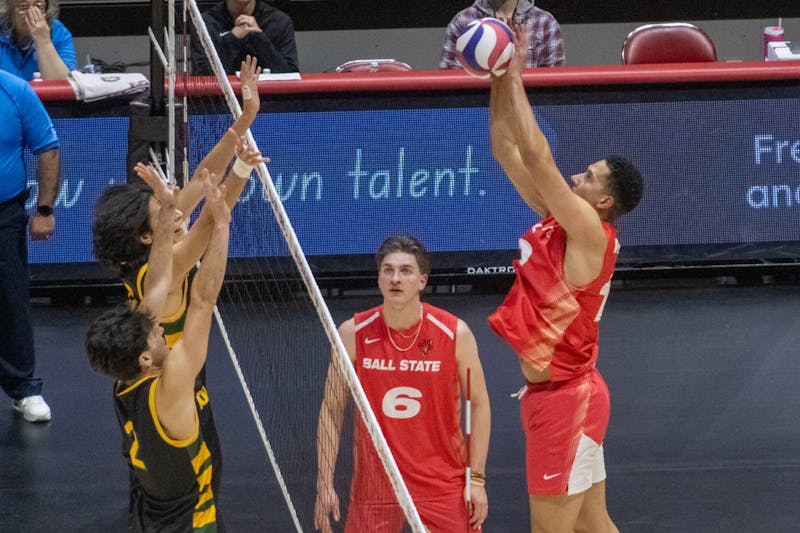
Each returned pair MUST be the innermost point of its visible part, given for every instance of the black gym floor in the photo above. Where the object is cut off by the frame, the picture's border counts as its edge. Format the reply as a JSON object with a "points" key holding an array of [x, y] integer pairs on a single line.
{"points": [[704, 434]]}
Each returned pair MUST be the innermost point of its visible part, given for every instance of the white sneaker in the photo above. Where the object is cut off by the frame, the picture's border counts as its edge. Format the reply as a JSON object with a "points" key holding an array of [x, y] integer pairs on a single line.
{"points": [[33, 408]]}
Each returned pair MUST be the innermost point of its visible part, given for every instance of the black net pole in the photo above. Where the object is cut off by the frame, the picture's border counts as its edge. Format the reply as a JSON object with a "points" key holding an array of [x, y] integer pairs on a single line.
{"points": [[149, 125], [156, 67]]}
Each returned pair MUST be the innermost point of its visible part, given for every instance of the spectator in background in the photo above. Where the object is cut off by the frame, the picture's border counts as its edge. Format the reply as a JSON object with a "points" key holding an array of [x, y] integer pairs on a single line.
{"points": [[247, 27], [33, 40], [546, 47], [25, 124]]}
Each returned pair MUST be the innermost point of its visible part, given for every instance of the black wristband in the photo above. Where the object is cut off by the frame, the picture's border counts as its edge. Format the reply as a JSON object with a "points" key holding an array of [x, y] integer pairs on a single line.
{"points": [[44, 210]]}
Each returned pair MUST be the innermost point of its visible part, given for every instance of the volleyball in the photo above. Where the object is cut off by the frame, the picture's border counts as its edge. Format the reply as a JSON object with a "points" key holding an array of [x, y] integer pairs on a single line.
{"points": [[485, 47]]}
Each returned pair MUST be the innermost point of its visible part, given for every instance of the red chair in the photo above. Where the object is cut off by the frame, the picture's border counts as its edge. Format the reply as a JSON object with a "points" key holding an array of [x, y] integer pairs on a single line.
{"points": [[672, 42], [374, 65]]}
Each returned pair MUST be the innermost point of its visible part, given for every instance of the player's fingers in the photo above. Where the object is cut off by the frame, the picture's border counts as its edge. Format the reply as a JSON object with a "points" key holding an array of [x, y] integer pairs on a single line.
{"points": [[140, 167], [481, 512], [321, 520]]}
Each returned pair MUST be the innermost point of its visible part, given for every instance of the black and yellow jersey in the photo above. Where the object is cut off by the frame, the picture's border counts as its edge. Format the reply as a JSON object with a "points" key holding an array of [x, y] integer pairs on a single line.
{"points": [[174, 483], [133, 279]]}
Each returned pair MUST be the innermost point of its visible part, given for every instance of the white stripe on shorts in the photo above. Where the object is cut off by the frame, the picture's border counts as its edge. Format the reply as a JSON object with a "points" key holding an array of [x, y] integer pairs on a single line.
{"points": [[588, 468]]}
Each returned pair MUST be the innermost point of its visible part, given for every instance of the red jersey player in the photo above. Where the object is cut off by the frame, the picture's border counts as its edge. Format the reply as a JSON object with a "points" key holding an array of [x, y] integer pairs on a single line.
{"points": [[412, 360], [550, 316]]}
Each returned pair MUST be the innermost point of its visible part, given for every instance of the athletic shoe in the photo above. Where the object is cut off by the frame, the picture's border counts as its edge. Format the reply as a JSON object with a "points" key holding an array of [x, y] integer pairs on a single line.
{"points": [[33, 408]]}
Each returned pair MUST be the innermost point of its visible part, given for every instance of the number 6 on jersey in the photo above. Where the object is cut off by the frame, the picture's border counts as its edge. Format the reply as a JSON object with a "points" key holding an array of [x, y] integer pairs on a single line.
{"points": [[400, 402]]}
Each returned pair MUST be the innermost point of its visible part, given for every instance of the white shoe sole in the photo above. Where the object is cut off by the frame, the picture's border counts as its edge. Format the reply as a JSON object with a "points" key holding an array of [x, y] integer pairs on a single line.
{"points": [[40, 418]]}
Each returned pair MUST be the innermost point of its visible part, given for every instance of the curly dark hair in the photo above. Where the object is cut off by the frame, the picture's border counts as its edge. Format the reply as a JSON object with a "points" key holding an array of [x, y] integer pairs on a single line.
{"points": [[406, 244], [116, 339], [121, 216], [625, 184]]}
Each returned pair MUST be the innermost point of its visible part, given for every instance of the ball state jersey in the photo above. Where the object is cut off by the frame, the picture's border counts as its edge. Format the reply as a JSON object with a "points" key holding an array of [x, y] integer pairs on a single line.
{"points": [[549, 322], [416, 397]]}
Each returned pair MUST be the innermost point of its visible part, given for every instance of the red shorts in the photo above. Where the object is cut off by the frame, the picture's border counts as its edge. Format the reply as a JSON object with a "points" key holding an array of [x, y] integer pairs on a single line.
{"points": [[443, 515], [565, 424]]}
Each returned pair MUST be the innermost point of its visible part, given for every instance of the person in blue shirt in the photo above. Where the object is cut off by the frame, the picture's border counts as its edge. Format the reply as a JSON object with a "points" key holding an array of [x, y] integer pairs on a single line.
{"points": [[33, 40], [25, 124]]}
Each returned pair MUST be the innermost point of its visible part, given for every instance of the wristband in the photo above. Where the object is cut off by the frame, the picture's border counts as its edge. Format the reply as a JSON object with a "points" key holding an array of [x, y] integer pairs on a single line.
{"points": [[478, 479], [241, 169]]}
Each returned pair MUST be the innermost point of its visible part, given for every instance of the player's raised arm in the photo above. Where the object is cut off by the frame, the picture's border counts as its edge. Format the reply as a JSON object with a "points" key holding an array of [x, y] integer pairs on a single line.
{"points": [[175, 395], [217, 160], [329, 429], [191, 248], [504, 145], [577, 216], [480, 420], [159, 279]]}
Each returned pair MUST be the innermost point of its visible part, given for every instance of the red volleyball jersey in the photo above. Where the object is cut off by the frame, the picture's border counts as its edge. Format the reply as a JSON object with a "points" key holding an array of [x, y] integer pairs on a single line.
{"points": [[416, 398], [548, 321]]}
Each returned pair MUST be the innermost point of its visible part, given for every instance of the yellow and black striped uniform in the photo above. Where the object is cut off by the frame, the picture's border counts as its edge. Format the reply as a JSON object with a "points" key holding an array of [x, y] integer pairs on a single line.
{"points": [[174, 484], [133, 279]]}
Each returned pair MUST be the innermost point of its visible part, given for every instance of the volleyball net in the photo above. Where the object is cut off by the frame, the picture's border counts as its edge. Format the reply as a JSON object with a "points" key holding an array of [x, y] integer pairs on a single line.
{"points": [[278, 328]]}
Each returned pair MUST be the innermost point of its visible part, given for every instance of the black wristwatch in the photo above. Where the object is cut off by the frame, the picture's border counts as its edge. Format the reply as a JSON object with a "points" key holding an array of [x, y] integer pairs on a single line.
{"points": [[44, 210]]}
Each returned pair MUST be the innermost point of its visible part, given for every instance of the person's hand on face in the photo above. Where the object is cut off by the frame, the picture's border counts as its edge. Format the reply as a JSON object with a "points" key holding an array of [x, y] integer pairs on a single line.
{"points": [[33, 16]]}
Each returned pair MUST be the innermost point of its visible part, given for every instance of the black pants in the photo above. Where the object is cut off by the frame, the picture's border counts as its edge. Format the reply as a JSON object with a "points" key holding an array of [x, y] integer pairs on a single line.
{"points": [[16, 333]]}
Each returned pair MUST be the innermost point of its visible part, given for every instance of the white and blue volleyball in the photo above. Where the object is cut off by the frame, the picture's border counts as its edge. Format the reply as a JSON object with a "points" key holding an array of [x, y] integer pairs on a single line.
{"points": [[485, 47]]}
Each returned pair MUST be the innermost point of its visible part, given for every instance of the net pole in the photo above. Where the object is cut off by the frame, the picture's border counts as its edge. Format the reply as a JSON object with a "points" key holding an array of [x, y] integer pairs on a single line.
{"points": [[156, 67], [170, 38], [184, 97], [359, 397]]}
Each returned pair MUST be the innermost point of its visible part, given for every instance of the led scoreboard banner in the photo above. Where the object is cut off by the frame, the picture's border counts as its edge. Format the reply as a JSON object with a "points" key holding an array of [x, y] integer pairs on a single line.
{"points": [[358, 157]]}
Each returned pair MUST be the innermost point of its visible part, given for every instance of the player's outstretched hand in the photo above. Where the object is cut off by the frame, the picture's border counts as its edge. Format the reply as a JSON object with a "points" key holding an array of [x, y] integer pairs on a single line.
{"points": [[164, 194], [521, 41], [327, 503], [249, 154], [248, 75], [215, 197]]}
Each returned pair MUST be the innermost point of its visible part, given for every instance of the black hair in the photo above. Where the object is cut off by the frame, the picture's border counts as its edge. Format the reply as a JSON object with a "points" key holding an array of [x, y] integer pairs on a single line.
{"points": [[625, 184], [121, 216], [116, 339], [406, 244]]}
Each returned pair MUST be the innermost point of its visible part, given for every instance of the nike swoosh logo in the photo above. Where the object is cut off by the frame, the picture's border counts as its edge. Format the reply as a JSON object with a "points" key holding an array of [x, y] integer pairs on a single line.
{"points": [[548, 477], [370, 341]]}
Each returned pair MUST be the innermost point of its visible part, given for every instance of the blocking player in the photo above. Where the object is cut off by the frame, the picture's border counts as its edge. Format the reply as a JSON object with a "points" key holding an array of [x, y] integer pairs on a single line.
{"points": [[412, 360], [124, 219], [551, 314], [170, 440]]}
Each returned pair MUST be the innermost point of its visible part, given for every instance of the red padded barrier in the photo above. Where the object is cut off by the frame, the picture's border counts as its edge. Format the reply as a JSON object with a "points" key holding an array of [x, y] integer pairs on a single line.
{"points": [[453, 80]]}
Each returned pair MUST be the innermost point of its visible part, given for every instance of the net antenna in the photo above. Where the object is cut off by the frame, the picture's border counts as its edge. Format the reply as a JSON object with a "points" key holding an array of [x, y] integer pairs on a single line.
{"points": [[314, 293]]}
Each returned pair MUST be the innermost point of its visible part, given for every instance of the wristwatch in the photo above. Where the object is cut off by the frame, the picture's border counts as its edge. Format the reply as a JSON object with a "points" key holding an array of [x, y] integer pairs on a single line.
{"points": [[44, 210]]}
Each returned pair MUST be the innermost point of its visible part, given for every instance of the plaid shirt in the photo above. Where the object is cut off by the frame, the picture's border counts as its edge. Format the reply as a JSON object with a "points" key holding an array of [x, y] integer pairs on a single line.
{"points": [[546, 43]]}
